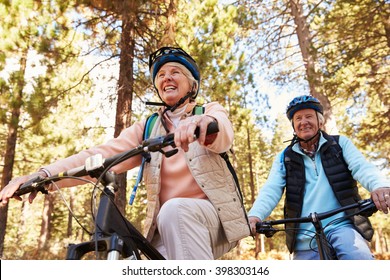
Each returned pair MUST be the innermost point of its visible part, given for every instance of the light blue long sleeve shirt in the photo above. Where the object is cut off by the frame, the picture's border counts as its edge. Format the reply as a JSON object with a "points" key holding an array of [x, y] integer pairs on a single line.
{"points": [[318, 194]]}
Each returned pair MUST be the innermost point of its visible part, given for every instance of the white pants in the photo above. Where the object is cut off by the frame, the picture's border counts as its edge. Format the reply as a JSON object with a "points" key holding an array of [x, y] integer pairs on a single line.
{"points": [[189, 229]]}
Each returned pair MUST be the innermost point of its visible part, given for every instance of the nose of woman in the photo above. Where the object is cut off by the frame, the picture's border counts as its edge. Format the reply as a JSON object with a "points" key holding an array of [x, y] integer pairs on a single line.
{"points": [[167, 77]]}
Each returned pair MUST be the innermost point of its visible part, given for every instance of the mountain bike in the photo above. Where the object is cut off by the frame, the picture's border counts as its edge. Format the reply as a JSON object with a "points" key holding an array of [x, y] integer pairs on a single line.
{"points": [[365, 207], [114, 237]]}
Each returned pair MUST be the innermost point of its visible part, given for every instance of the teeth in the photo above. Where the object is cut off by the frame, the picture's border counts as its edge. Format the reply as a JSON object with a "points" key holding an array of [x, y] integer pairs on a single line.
{"points": [[169, 88]]}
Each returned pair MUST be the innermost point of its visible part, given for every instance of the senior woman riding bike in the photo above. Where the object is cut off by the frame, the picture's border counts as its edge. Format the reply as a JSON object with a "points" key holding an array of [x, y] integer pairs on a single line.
{"points": [[194, 209]]}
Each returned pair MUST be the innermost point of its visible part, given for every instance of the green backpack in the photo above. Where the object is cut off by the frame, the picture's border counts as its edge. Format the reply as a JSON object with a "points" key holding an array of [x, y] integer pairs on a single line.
{"points": [[150, 121]]}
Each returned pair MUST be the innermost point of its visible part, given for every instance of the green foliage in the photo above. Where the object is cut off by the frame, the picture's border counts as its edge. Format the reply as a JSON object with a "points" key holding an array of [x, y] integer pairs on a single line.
{"points": [[354, 49], [207, 31], [136, 213], [47, 92], [232, 44]]}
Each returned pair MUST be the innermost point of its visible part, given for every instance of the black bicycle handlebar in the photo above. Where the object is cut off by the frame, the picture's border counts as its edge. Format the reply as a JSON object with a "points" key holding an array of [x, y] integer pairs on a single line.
{"points": [[34, 184], [366, 207], [150, 145]]}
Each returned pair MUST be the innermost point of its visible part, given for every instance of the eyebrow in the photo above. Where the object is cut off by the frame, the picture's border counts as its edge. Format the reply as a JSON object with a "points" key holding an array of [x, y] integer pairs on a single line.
{"points": [[306, 114]]}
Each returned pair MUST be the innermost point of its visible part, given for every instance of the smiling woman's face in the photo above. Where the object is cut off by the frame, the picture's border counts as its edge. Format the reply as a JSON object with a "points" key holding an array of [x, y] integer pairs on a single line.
{"points": [[171, 83]]}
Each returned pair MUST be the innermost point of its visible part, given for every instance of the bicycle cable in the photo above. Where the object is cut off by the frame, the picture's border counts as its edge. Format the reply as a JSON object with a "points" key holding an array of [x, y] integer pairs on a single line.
{"points": [[65, 201], [309, 233]]}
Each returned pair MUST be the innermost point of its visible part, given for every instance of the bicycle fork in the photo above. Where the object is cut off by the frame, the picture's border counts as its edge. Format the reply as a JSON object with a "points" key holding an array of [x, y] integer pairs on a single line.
{"points": [[113, 245], [322, 242]]}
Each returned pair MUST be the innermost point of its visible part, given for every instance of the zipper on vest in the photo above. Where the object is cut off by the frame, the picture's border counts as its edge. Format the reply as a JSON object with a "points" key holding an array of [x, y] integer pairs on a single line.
{"points": [[313, 160]]}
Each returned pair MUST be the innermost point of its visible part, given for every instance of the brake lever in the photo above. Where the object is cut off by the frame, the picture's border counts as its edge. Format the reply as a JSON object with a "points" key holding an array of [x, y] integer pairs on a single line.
{"points": [[169, 153], [156, 144]]}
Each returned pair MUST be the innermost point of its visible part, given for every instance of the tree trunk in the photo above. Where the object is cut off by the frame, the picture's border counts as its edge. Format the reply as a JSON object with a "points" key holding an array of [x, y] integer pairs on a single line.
{"points": [[309, 59], [250, 162], [69, 228], [9, 155], [23, 222], [46, 225], [305, 42], [385, 14], [169, 36], [125, 86]]}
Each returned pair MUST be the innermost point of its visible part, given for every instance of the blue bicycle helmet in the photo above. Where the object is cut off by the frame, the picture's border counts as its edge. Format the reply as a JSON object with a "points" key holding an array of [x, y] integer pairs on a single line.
{"points": [[171, 54], [303, 102]]}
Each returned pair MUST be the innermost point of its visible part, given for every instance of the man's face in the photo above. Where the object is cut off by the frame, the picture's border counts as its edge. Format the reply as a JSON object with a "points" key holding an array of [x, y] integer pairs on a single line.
{"points": [[305, 123]]}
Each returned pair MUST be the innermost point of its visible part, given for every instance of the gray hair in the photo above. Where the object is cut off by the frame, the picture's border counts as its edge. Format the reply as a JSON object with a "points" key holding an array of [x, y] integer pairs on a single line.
{"points": [[321, 120]]}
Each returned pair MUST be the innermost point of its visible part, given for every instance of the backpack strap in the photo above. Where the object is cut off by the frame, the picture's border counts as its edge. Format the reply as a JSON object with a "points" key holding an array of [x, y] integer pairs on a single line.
{"points": [[149, 124], [198, 110], [150, 121], [225, 156]]}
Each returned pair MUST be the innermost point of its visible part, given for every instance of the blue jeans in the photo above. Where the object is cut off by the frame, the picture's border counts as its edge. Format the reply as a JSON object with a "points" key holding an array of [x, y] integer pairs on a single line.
{"points": [[347, 243]]}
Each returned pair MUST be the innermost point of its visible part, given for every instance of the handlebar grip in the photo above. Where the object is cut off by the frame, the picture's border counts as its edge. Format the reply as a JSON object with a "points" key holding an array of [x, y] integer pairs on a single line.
{"points": [[168, 139], [265, 228], [211, 129], [30, 186], [367, 207]]}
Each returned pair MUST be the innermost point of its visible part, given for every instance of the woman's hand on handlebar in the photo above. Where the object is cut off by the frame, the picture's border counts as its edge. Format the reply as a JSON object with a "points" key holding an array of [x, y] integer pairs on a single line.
{"points": [[8, 191], [381, 198], [252, 222], [184, 133]]}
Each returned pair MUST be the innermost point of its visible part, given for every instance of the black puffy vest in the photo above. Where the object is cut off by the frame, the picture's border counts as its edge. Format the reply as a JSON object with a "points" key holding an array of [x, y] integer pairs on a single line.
{"points": [[339, 177]]}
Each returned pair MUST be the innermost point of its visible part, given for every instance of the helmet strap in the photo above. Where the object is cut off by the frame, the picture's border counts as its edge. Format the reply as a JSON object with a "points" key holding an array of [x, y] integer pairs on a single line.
{"points": [[181, 101], [307, 140], [173, 108], [155, 103], [296, 139], [189, 95]]}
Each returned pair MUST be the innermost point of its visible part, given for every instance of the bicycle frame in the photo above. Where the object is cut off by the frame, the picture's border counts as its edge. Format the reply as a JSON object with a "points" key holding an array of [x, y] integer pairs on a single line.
{"points": [[366, 208], [114, 234]]}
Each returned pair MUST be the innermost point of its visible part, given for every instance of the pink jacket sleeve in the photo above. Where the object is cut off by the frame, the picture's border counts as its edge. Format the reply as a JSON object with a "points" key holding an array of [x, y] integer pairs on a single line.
{"points": [[129, 138]]}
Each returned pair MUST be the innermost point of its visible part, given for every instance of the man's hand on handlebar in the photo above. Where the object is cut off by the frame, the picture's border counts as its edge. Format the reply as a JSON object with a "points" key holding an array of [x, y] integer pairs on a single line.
{"points": [[8, 191], [381, 198], [184, 133], [252, 222]]}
